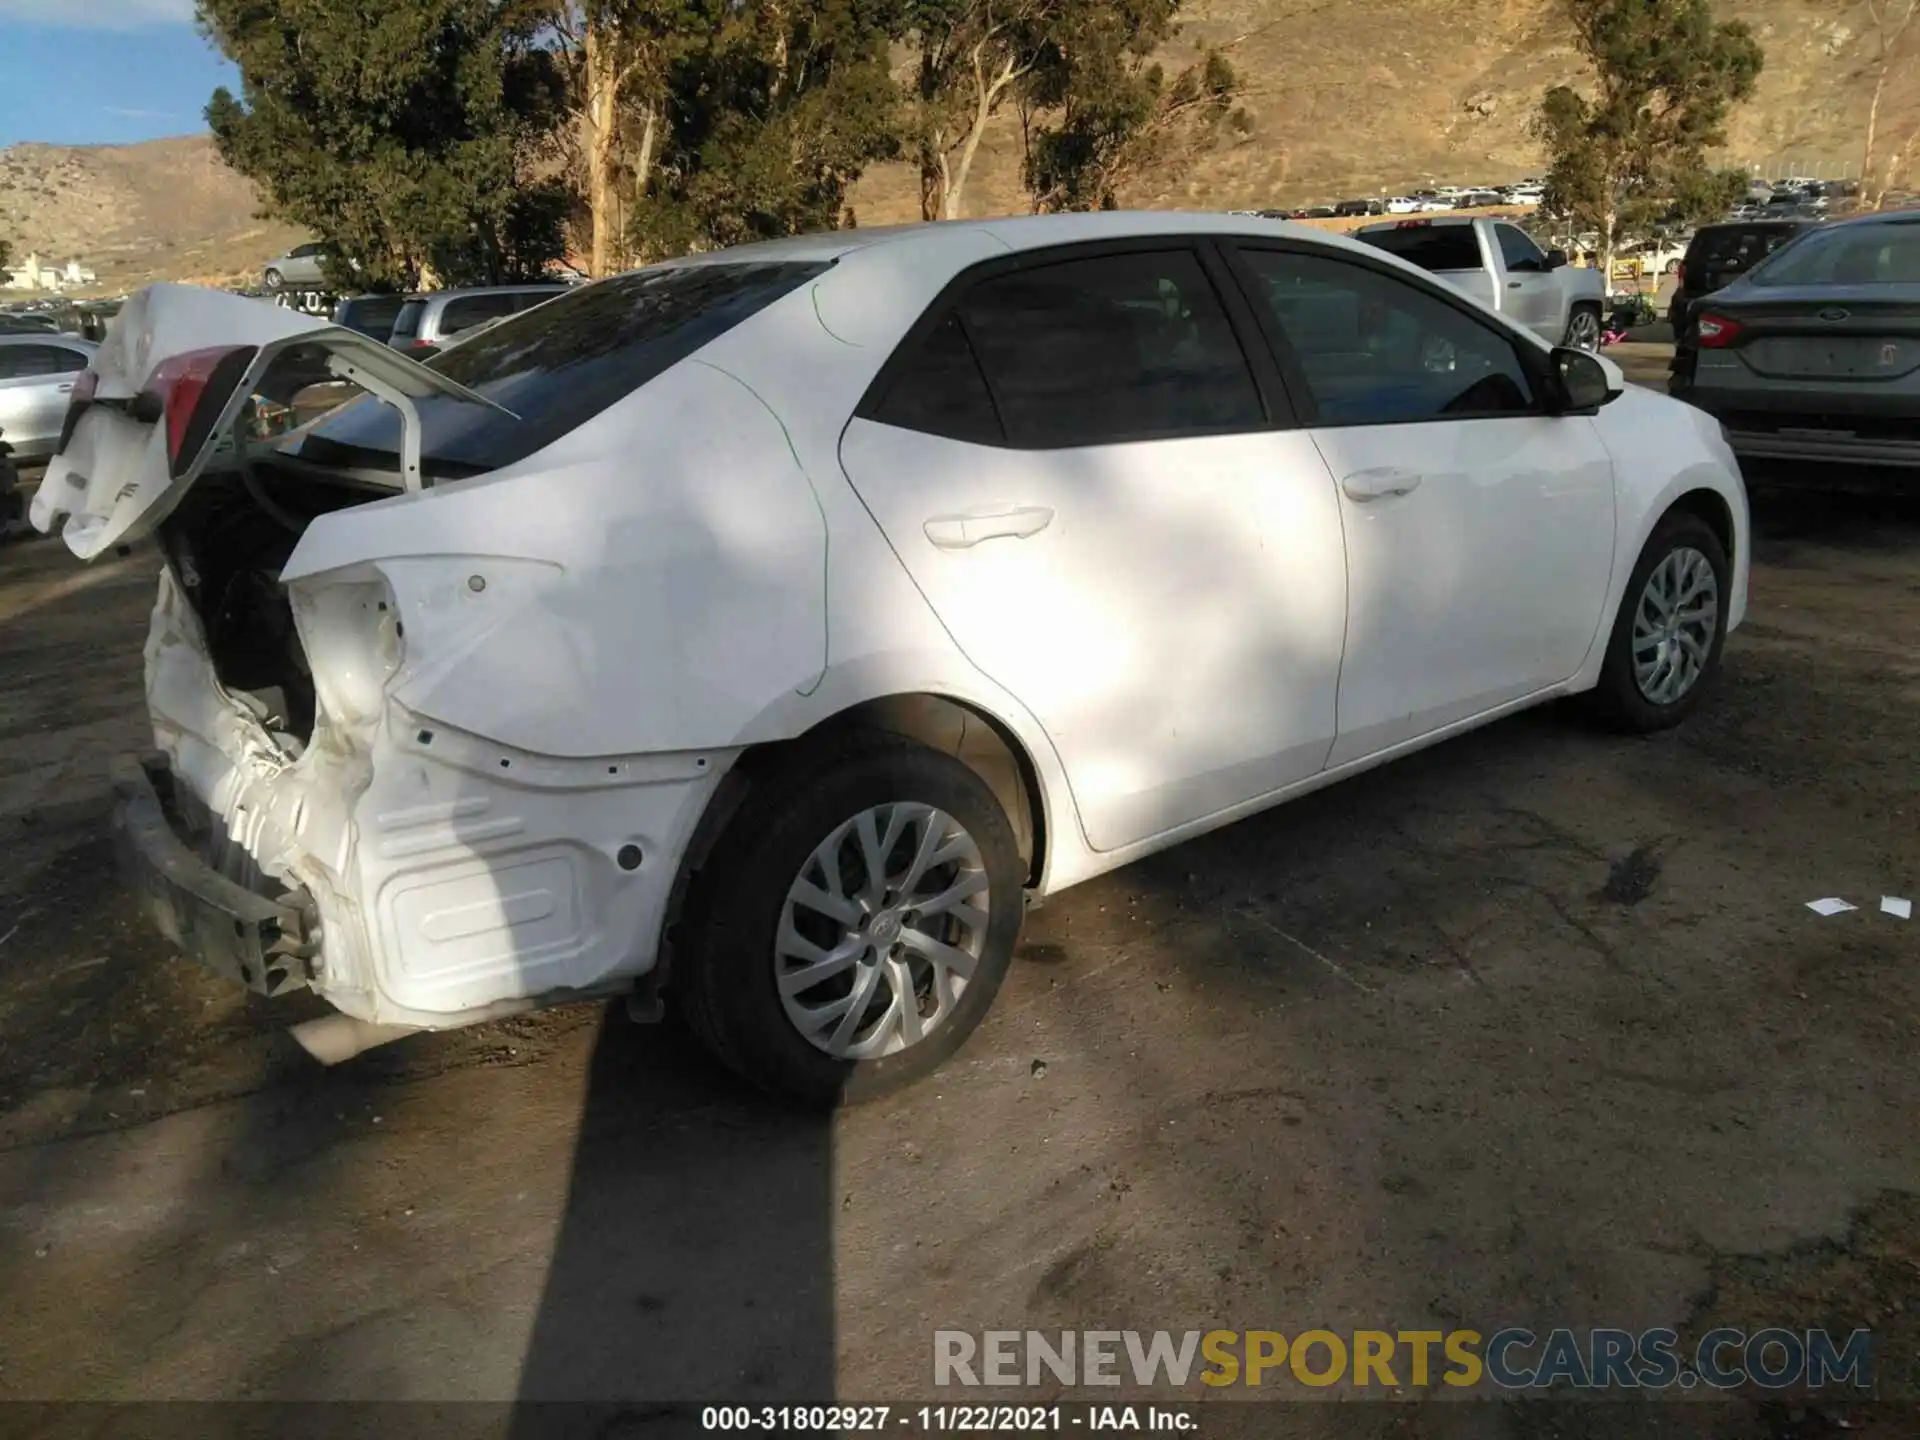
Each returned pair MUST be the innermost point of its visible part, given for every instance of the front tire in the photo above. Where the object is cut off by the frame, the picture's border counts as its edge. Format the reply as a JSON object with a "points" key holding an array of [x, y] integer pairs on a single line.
{"points": [[274, 281], [1583, 328], [853, 924], [1667, 638]]}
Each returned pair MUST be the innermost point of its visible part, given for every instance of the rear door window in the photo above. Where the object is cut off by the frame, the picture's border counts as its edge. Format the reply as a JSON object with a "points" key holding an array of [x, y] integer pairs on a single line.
{"points": [[18, 362], [1431, 247], [555, 367], [1110, 348]]}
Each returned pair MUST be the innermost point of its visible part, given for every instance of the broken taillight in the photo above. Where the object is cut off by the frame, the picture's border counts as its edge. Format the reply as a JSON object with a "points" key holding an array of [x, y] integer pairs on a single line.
{"points": [[1717, 332], [192, 388]]}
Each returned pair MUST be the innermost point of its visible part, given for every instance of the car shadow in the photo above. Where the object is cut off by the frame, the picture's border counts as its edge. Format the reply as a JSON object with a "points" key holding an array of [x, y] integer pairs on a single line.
{"points": [[694, 1258]]}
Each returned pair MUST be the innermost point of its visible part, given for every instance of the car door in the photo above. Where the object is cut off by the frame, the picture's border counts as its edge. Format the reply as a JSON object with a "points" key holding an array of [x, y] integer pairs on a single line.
{"points": [[1478, 528], [1532, 290], [306, 268], [1089, 475], [35, 383]]}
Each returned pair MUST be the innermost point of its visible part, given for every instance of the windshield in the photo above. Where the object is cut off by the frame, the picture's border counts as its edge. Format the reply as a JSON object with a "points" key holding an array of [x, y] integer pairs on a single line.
{"points": [[1881, 253], [554, 367]]}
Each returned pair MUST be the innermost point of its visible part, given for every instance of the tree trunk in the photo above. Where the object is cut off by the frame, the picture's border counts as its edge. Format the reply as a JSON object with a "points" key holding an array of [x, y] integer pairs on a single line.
{"points": [[985, 93], [1870, 193], [1608, 225], [1873, 190], [933, 176], [599, 120]]}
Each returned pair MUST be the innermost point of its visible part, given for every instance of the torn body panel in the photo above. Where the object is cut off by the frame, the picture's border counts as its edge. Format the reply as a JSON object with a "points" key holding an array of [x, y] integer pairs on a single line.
{"points": [[450, 877]]}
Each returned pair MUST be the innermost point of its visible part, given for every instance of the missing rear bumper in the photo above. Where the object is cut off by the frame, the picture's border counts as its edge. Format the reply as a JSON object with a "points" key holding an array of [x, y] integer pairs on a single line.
{"points": [[235, 932]]}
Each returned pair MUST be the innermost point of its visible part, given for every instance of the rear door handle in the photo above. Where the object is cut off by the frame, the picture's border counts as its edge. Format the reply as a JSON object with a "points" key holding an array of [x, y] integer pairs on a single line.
{"points": [[960, 532], [1376, 484]]}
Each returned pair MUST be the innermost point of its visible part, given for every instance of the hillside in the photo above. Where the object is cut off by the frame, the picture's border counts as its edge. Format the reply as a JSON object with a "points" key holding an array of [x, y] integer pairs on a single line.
{"points": [[167, 209], [1348, 97]]}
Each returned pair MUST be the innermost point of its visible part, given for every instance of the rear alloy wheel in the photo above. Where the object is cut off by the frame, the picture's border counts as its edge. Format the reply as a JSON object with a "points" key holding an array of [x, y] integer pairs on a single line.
{"points": [[1667, 638], [1583, 328], [275, 280], [853, 924]]}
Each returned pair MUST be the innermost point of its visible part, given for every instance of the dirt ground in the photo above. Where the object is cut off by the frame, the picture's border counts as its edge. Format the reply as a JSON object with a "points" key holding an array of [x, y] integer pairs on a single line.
{"points": [[1531, 1029]]}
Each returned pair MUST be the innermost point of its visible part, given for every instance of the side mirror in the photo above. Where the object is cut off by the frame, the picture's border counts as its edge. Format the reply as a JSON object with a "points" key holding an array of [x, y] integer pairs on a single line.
{"points": [[1556, 259], [1584, 382]]}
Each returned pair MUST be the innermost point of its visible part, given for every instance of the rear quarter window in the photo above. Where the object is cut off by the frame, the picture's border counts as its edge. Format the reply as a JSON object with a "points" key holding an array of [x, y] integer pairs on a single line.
{"points": [[406, 325], [469, 310], [556, 366]]}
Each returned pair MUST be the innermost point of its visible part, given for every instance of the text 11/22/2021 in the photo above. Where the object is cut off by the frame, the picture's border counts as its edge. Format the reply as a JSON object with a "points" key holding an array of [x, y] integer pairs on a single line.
{"points": [[947, 1419]]}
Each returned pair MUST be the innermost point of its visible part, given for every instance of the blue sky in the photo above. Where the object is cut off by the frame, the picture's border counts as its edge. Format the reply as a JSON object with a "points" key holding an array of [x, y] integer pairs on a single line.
{"points": [[84, 72]]}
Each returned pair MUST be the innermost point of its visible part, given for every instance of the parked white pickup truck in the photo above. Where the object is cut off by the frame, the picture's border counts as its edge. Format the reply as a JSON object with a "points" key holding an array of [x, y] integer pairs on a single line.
{"points": [[1498, 264]]}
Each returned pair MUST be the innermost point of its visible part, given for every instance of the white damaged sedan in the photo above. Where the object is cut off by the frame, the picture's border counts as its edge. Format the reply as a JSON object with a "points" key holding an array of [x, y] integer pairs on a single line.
{"points": [[763, 631]]}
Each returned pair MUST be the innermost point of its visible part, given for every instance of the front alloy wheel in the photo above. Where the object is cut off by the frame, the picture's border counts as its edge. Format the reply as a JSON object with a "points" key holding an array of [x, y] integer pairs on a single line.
{"points": [[1674, 625], [1667, 637]]}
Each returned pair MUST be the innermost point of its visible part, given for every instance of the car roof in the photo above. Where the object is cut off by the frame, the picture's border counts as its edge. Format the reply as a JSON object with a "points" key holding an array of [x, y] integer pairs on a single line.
{"points": [[41, 337], [1877, 217], [1783, 223], [457, 291], [1022, 232]]}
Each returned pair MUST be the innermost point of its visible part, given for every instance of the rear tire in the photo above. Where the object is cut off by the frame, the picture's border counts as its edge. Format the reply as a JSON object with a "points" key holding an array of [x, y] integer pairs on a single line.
{"points": [[1647, 649], [274, 281], [737, 979]]}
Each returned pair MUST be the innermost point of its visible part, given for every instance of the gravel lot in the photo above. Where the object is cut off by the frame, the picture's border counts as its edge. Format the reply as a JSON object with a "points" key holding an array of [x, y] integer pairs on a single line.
{"points": [[1533, 1028]]}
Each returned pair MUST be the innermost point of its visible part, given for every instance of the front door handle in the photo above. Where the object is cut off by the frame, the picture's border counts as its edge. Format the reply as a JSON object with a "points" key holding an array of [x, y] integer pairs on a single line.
{"points": [[1376, 484], [960, 532]]}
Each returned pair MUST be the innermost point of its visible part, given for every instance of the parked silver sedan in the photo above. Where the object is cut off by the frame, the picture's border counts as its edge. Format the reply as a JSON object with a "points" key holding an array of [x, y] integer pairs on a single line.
{"points": [[1814, 354], [36, 378]]}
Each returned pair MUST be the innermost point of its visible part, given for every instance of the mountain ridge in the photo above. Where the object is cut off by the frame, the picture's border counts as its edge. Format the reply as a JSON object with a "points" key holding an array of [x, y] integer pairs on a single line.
{"points": [[1346, 96]]}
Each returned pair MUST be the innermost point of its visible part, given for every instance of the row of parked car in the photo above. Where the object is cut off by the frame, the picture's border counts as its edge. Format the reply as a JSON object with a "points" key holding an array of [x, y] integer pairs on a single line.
{"points": [[421, 323], [1431, 200]]}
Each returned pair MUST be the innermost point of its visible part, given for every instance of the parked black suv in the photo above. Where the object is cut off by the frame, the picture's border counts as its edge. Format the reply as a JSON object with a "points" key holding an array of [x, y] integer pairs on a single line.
{"points": [[1716, 256]]}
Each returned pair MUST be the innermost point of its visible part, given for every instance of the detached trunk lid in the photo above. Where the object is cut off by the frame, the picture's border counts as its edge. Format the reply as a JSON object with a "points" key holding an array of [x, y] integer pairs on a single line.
{"points": [[159, 402]]}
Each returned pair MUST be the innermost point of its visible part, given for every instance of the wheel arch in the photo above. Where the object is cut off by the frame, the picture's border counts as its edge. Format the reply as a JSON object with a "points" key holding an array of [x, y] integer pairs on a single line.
{"points": [[1712, 507], [964, 729]]}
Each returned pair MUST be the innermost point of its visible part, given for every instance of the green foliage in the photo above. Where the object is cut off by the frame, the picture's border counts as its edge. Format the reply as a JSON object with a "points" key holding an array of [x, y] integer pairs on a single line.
{"points": [[396, 131], [769, 124], [969, 58], [6, 254], [1665, 75], [1100, 109]]}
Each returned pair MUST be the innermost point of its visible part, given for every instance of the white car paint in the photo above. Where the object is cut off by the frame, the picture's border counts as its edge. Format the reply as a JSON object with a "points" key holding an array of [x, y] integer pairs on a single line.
{"points": [[523, 674]]}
